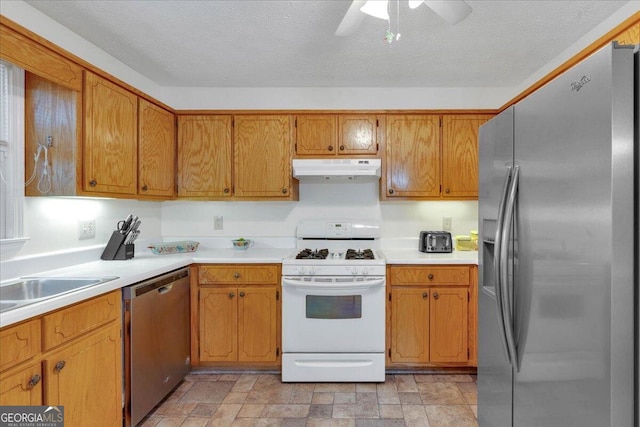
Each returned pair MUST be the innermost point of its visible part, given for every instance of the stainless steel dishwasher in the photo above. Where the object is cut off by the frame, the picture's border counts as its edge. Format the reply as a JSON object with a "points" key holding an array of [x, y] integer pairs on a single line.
{"points": [[157, 341]]}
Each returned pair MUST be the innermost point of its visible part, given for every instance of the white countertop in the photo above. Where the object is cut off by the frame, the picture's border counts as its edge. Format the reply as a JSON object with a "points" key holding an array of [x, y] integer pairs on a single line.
{"points": [[146, 265], [414, 256]]}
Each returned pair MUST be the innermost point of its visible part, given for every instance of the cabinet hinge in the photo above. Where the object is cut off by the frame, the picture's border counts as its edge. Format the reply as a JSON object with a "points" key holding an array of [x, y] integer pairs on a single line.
{"points": [[277, 295], [440, 120], [277, 351], [468, 353], [468, 296], [233, 122], [389, 296], [295, 147], [377, 147], [389, 352], [377, 123], [295, 122]]}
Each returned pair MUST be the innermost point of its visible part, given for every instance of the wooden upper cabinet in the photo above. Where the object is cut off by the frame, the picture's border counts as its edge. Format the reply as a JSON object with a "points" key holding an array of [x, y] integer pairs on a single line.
{"points": [[629, 36], [262, 152], [316, 134], [205, 156], [110, 137], [412, 156], [156, 151], [358, 134], [331, 134], [460, 155]]}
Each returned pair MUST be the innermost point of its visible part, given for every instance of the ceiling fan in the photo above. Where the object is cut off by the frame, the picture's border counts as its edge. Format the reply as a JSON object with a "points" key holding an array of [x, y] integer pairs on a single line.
{"points": [[452, 11]]}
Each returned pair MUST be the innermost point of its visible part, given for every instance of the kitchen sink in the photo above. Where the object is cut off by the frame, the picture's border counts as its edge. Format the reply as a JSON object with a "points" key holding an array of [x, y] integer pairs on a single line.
{"points": [[33, 289]]}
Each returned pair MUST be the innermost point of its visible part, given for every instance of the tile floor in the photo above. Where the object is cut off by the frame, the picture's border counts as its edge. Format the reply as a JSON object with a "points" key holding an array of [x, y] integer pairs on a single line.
{"points": [[243, 400]]}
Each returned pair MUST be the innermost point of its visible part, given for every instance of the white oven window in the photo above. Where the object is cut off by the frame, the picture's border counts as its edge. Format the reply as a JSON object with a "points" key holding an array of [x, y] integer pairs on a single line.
{"points": [[334, 306]]}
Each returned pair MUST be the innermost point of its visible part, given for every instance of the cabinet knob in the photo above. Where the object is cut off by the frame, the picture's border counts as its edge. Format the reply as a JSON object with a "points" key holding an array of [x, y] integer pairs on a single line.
{"points": [[59, 366], [447, 191], [391, 191], [430, 276], [330, 148], [236, 275], [435, 295], [34, 380], [284, 191], [425, 295], [231, 295], [93, 183], [145, 188], [226, 191], [342, 148], [241, 294]]}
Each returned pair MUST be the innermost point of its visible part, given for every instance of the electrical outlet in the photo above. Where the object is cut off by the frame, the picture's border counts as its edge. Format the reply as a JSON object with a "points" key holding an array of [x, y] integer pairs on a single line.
{"points": [[217, 222], [446, 223], [86, 229]]}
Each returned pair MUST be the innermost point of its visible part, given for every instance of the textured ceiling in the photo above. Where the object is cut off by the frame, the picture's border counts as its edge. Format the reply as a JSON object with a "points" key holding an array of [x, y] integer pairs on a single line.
{"points": [[272, 43]]}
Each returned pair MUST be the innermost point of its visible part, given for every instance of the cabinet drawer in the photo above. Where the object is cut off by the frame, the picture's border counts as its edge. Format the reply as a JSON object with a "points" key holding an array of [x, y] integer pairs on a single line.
{"points": [[238, 274], [19, 343], [426, 275], [66, 324]]}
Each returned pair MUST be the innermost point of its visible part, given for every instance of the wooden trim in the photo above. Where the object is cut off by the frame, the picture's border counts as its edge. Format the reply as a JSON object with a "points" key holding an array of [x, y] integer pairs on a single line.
{"points": [[42, 42], [584, 53], [335, 112]]}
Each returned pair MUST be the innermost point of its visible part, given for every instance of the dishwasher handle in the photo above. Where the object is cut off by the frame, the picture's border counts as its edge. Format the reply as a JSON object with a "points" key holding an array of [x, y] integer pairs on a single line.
{"points": [[162, 284]]}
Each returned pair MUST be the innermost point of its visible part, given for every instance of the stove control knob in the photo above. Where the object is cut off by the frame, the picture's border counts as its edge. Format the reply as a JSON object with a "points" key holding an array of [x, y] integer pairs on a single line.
{"points": [[354, 271], [365, 271], [312, 270], [301, 271]]}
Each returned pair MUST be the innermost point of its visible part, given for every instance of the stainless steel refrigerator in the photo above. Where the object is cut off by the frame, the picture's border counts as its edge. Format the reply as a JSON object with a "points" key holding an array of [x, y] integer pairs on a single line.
{"points": [[558, 259]]}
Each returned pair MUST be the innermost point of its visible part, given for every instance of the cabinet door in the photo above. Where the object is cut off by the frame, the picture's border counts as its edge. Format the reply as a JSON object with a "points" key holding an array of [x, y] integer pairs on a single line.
{"points": [[257, 331], [262, 146], [460, 155], [156, 151], [218, 324], [23, 388], [409, 325], [110, 137], [86, 378], [358, 134], [204, 156], [413, 156], [316, 134], [448, 316]]}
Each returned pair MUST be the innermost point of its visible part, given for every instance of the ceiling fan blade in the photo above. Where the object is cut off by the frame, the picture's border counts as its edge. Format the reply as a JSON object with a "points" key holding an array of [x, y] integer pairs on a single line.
{"points": [[452, 11], [352, 19]]}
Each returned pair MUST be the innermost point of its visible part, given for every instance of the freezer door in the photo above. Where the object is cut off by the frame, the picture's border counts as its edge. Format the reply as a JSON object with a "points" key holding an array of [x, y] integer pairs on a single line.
{"points": [[494, 369], [575, 253]]}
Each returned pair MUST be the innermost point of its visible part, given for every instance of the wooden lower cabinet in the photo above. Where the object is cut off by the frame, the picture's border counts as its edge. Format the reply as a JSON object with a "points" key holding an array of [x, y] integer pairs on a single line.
{"points": [[80, 377], [428, 323], [23, 388], [81, 371], [238, 323]]}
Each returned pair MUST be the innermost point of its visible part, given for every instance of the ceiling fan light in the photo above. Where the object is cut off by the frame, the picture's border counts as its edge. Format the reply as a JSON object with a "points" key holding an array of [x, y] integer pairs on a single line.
{"points": [[452, 11], [414, 3], [376, 8]]}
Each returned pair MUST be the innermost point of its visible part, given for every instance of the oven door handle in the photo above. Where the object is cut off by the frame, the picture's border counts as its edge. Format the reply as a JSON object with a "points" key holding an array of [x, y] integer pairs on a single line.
{"points": [[310, 284]]}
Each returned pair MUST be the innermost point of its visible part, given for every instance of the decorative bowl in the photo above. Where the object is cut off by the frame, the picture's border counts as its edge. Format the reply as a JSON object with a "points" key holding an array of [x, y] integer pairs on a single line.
{"points": [[242, 244]]}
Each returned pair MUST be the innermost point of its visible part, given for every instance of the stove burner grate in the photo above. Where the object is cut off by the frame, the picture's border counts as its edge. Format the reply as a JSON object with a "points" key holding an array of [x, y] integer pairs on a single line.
{"points": [[359, 254], [311, 254]]}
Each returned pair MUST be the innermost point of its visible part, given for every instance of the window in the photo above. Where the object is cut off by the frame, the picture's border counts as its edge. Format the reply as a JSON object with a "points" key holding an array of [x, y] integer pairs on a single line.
{"points": [[11, 153]]}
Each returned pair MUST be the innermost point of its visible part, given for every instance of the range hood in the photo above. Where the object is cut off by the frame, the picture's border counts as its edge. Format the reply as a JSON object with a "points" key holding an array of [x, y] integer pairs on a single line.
{"points": [[358, 170]]}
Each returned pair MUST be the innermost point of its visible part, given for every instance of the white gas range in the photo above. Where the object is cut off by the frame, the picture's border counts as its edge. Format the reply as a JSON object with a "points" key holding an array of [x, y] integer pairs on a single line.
{"points": [[333, 304]]}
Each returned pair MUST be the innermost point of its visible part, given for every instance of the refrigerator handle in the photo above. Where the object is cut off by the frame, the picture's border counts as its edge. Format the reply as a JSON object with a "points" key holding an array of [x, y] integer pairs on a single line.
{"points": [[507, 289], [497, 264]]}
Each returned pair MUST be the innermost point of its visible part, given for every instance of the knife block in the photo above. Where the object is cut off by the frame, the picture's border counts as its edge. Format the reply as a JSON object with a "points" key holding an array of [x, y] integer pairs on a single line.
{"points": [[116, 248]]}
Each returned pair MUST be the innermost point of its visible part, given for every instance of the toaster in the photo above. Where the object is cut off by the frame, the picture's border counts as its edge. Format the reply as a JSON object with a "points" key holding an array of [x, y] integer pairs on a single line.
{"points": [[435, 242]]}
